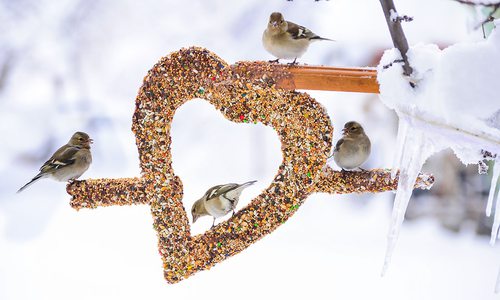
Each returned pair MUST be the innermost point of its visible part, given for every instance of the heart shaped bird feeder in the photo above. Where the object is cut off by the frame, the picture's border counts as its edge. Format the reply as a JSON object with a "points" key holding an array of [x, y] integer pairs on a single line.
{"points": [[256, 92]]}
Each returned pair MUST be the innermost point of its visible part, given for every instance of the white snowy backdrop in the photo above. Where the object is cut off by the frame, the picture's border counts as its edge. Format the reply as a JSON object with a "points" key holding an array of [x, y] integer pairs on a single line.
{"points": [[77, 65]]}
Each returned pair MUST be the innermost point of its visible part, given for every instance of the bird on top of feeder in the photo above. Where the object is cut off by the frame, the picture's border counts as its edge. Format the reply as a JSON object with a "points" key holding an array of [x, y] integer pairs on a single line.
{"points": [[287, 40]]}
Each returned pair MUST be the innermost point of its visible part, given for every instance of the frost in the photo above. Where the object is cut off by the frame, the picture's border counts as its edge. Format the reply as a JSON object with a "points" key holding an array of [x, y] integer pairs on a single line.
{"points": [[454, 105], [394, 15]]}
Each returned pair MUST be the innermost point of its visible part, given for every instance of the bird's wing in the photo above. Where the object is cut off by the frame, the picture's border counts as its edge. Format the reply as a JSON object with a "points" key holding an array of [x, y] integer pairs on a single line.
{"points": [[235, 191], [340, 142], [219, 190], [300, 32], [215, 191], [64, 156]]}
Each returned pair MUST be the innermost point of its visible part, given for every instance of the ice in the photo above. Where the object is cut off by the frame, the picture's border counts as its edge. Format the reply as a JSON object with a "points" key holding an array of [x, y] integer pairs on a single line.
{"points": [[448, 108], [497, 284], [400, 142], [494, 180], [414, 147], [496, 219]]}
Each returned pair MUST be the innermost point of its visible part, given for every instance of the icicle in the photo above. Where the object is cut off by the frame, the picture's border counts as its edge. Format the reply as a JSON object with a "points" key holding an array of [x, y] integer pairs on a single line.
{"points": [[497, 285], [496, 219], [414, 152], [494, 180], [401, 139]]}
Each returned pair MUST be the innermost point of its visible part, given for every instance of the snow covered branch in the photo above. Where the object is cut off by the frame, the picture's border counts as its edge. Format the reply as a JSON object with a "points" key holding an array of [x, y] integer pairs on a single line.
{"points": [[395, 17], [397, 34], [495, 6], [479, 3]]}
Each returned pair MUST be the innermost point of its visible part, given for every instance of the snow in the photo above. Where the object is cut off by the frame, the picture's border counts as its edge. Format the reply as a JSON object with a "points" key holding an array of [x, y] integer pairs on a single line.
{"points": [[394, 15], [451, 106]]}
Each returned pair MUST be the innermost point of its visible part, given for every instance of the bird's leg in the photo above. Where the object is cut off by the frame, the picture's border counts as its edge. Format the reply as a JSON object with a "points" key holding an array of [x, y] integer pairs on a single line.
{"points": [[294, 62], [362, 169], [213, 224], [233, 213], [276, 61]]}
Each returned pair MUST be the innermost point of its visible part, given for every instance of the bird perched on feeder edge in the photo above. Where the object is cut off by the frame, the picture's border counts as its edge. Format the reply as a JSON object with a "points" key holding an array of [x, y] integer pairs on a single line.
{"points": [[353, 149], [69, 162], [287, 40], [219, 200]]}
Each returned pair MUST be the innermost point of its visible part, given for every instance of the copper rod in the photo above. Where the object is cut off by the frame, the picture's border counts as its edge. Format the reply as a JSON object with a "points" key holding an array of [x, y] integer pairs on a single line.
{"points": [[361, 80]]}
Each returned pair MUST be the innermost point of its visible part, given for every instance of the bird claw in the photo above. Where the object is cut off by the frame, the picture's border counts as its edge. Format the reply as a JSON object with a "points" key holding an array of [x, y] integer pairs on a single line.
{"points": [[275, 61], [293, 63]]}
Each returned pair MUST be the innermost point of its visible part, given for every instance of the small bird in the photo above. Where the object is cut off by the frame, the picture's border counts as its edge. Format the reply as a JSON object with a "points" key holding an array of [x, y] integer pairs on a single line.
{"points": [[287, 40], [353, 148], [69, 162], [219, 200]]}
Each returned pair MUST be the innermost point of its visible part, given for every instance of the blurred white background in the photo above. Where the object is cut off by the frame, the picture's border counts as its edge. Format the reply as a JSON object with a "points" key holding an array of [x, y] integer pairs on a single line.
{"points": [[77, 65]]}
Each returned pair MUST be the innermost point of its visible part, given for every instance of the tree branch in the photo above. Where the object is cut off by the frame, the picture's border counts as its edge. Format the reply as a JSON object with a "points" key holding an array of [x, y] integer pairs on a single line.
{"points": [[397, 34], [492, 4], [495, 6]]}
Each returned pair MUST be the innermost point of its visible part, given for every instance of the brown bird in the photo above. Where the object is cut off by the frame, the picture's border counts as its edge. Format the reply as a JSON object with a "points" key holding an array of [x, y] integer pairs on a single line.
{"points": [[287, 40], [353, 149], [69, 162], [219, 200]]}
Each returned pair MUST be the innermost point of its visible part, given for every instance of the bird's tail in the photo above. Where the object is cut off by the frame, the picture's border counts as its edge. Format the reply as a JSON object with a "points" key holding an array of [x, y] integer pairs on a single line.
{"points": [[318, 38], [36, 178], [247, 183]]}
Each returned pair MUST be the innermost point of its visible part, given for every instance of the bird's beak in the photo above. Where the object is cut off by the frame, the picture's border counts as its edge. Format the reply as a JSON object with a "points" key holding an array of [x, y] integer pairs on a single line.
{"points": [[91, 141], [344, 130], [274, 24], [195, 218]]}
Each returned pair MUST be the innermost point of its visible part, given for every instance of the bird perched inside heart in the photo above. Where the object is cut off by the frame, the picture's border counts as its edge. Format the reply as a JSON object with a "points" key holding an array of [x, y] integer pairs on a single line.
{"points": [[242, 93]]}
